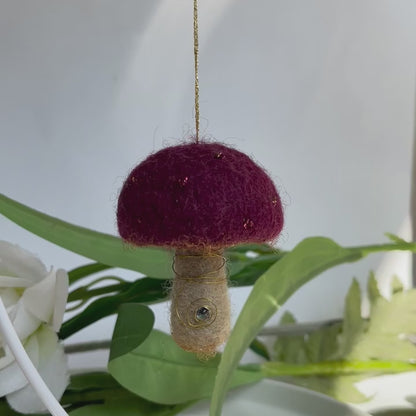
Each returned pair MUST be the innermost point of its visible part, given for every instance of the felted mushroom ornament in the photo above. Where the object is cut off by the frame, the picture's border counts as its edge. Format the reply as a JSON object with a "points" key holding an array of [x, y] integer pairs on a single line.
{"points": [[198, 199]]}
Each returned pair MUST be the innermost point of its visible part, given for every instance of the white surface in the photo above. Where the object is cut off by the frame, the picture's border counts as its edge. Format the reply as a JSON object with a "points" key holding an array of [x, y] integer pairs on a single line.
{"points": [[389, 392], [320, 92], [271, 398]]}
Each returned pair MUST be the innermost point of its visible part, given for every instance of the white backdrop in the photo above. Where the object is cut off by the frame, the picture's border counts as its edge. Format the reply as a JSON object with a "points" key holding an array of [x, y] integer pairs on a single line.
{"points": [[320, 93]]}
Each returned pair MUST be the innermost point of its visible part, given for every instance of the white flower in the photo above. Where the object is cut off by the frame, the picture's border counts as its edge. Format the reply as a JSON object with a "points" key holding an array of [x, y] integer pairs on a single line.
{"points": [[35, 299]]}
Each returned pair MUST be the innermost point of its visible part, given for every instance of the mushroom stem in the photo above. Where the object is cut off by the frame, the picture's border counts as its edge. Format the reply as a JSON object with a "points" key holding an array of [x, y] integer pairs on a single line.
{"points": [[200, 309]]}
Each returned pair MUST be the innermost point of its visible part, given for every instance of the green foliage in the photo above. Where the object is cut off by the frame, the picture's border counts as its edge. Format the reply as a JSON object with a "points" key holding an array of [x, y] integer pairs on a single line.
{"points": [[377, 342], [328, 360], [98, 394], [111, 251], [86, 292], [309, 258], [385, 337], [129, 405], [260, 349], [84, 271], [92, 381], [395, 238], [144, 290], [159, 371], [148, 290], [251, 269], [134, 323], [254, 248], [354, 325], [103, 248]]}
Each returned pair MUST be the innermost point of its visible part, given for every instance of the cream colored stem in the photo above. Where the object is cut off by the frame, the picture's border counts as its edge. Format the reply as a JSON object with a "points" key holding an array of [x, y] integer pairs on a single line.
{"points": [[200, 309]]}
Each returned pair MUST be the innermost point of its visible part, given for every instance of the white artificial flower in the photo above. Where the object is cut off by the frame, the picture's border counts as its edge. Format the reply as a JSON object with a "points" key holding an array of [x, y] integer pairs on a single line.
{"points": [[35, 299]]}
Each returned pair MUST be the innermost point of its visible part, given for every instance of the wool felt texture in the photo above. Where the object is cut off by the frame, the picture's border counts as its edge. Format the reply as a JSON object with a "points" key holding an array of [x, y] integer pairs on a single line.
{"points": [[198, 195], [200, 284]]}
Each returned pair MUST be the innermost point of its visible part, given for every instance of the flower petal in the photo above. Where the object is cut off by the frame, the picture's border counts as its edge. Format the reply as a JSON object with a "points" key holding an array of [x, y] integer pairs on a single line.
{"points": [[52, 368], [11, 376], [15, 261], [9, 296], [39, 299], [6, 359], [61, 296], [23, 321], [7, 281]]}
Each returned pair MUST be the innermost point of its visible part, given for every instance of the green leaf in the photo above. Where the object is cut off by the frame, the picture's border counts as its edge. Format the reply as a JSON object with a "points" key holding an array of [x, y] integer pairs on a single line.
{"points": [[322, 344], [100, 247], [309, 258], [290, 349], [395, 238], [340, 355], [129, 406], [133, 325], [84, 293], [256, 248], [98, 393], [111, 251], [145, 290], [389, 327], [86, 270], [372, 289], [249, 270], [92, 380], [396, 285], [247, 262], [287, 319], [148, 290], [354, 325], [260, 349], [159, 371]]}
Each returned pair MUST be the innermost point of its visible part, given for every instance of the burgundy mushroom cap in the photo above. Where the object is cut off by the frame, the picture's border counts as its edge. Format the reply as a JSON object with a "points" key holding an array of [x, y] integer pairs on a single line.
{"points": [[198, 195]]}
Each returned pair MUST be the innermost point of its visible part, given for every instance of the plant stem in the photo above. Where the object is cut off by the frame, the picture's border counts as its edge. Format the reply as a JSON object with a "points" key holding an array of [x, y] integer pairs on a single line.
{"points": [[375, 248], [335, 368]]}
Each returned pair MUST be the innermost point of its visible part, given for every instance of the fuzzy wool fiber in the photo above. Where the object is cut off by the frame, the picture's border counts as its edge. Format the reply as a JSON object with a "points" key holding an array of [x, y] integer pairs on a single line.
{"points": [[200, 281], [198, 195]]}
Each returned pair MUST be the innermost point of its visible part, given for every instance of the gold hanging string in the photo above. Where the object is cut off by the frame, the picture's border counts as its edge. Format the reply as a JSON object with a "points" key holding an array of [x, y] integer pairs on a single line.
{"points": [[196, 50]]}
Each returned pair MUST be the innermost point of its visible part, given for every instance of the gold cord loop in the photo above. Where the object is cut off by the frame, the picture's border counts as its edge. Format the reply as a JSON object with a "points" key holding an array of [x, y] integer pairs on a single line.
{"points": [[196, 64], [210, 277]]}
